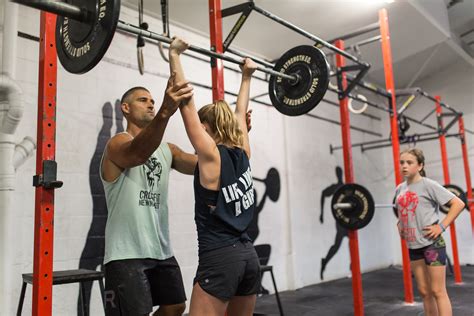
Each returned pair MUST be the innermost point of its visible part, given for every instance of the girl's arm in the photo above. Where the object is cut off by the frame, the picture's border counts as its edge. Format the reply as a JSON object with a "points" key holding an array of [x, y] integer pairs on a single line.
{"points": [[243, 100], [455, 208], [203, 144]]}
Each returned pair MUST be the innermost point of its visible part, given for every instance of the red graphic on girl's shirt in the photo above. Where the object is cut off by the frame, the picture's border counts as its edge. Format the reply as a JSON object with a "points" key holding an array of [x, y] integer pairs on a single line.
{"points": [[407, 203]]}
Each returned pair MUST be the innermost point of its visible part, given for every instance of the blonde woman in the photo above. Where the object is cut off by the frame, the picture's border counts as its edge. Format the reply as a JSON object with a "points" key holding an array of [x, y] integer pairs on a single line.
{"points": [[228, 274]]}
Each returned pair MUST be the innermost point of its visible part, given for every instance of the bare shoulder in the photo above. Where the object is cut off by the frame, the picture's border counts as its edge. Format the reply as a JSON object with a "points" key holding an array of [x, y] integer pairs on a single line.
{"points": [[118, 140], [110, 169]]}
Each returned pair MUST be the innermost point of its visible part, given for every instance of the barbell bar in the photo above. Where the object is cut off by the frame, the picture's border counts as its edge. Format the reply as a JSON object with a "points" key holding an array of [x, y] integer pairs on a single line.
{"points": [[86, 16], [85, 29], [353, 206], [346, 206], [149, 34]]}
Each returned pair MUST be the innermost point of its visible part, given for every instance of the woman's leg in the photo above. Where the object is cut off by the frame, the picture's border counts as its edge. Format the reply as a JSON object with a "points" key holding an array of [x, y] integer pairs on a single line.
{"points": [[424, 286], [242, 305], [204, 304], [438, 288]]}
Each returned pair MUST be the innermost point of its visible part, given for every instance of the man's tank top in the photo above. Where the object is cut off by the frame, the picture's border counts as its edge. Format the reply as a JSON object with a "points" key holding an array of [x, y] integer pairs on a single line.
{"points": [[137, 203]]}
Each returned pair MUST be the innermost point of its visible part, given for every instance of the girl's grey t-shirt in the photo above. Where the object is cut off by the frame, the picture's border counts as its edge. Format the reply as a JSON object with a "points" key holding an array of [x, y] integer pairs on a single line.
{"points": [[418, 206]]}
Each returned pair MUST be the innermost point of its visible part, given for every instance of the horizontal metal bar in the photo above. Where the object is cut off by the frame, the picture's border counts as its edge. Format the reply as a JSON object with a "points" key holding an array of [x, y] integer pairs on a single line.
{"points": [[59, 8], [421, 123], [364, 101], [236, 9], [145, 33], [405, 142], [257, 60], [405, 92], [346, 206], [363, 113], [360, 31], [309, 35], [367, 41], [203, 59]]}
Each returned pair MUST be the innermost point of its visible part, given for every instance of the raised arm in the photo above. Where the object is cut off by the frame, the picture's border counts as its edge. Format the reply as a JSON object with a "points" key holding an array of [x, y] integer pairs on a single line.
{"points": [[243, 100], [203, 144], [124, 151]]}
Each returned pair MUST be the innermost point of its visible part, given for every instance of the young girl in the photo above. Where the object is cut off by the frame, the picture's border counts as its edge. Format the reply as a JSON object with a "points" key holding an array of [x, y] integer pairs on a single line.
{"points": [[418, 200], [228, 274]]}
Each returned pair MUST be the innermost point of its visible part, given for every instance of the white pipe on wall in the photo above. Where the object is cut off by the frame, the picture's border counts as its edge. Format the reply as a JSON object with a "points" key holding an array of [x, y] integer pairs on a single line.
{"points": [[11, 156]]}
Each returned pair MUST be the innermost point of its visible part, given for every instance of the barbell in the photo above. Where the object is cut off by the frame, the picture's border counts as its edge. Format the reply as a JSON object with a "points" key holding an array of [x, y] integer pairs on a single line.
{"points": [[85, 28], [353, 206]]}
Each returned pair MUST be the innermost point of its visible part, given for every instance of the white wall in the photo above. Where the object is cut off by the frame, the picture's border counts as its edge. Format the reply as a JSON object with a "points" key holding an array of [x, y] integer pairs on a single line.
{"points": [[298, 147]]}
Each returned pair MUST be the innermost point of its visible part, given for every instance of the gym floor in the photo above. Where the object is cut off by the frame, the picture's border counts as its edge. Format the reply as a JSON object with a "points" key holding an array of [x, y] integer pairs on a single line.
{"points": [[380, 297]]}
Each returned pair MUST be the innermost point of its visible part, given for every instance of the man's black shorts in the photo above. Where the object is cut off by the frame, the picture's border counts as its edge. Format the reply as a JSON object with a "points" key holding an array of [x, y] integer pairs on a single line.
{"points": [[134, 286], [229, 271]]}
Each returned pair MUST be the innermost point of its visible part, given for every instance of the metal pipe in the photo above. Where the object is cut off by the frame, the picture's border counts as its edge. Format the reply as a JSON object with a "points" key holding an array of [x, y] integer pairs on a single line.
{"points": [[428, 115], [447, 180], [367, 41], [309, 35], [389, 143], [77, 13], [145, 33], [347, 206], [257, 60], [59, 8], [360, 31]]}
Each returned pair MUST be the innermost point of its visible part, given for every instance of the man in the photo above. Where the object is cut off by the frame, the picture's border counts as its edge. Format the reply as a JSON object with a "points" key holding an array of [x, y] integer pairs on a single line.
{"points": [[140, 269]]}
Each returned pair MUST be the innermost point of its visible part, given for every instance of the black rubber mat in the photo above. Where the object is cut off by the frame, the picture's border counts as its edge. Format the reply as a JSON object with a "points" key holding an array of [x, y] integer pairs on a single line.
{"points": [[383, 295]]}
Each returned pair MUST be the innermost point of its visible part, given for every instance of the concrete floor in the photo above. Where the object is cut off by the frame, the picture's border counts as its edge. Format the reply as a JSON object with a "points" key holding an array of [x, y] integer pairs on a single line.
{"points": [[383, 295]]}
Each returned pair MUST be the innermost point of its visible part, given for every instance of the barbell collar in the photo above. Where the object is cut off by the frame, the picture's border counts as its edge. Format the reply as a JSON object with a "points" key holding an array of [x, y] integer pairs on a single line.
{"points": [[343, 206], [145, 33]]}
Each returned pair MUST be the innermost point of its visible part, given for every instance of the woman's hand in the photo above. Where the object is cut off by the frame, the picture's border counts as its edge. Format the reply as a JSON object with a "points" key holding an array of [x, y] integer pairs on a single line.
{"points": [[178, 46], [248, 67]]}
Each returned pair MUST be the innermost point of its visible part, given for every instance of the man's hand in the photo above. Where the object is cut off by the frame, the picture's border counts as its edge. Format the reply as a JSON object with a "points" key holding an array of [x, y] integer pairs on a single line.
{"points": [[248, 68], [175, 94], [177, 46]]}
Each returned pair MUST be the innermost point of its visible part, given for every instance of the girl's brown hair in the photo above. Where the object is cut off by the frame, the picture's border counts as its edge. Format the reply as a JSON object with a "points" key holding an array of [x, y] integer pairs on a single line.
{"points": [[420, 158]]}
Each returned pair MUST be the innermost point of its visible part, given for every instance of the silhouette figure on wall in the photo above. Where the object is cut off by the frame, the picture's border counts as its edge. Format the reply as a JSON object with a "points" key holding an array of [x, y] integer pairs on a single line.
{"points": [[93, 253], [272, 191], [341, 232]]}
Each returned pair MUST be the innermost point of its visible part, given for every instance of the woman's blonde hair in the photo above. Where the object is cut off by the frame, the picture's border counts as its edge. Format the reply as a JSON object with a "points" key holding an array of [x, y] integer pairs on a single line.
{"points": [[420, 158], [223, 123]]}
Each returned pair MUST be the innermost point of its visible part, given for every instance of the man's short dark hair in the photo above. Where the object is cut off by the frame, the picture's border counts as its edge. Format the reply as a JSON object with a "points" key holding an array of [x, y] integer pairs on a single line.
{"points": [[130, 91]]}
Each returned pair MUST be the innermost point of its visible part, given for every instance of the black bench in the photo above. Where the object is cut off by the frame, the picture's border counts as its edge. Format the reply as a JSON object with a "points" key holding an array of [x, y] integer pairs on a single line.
{"points": [[66, 277]]}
